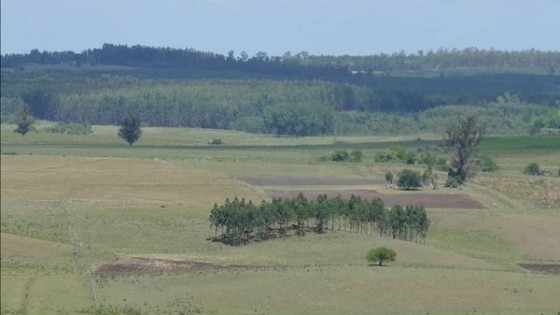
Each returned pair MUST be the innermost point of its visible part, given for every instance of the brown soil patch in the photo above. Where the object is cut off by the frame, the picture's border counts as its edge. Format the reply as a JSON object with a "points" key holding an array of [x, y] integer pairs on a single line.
{"points": [[429, 200], [308, 181], [148, 265], [546, 268]]}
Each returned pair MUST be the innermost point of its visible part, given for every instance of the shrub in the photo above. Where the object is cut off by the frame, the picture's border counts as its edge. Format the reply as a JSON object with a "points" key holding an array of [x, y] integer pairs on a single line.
{"points": [[533, 169], [356, 156], [389, 177], [409, 179], [384, 156], [399, 152], [486, 164], [381, 254], [452, 182], [410, 158], [216, 141], [340, 155]]}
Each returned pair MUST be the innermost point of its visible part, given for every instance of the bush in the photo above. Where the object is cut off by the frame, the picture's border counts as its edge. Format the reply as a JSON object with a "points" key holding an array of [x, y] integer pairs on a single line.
{"points": [[486, 164], [409, 179], [452, 181], [399, 152], [384, 156], [389, 177], [356, 156], [381, 254], [533, 169], [340, 155], [215, 141], [410, 158]]}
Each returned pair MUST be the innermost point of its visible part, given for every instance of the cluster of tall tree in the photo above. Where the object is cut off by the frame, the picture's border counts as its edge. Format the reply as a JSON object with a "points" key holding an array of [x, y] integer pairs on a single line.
{"points": [[445, 59], [188, 88], [184, 59], [237, 221], [301, 63]]}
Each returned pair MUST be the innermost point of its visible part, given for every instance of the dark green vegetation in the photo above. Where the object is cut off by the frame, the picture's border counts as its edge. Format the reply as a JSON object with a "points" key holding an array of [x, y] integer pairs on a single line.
{"points": [[343, 155], [533, 168], [130, 129], [409, 179], [241, 222], [381, 254], [300, 95], [24, 120], [462, 138]]}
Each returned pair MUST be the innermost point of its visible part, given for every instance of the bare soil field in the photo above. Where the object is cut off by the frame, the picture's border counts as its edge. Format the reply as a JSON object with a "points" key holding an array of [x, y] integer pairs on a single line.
{"points": [[150, 265], [308, 181], [545, 268], [429, 200]]}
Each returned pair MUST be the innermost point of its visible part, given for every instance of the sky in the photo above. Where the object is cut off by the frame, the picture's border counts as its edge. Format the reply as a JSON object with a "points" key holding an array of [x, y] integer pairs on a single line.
{"points": [[320, 27]]}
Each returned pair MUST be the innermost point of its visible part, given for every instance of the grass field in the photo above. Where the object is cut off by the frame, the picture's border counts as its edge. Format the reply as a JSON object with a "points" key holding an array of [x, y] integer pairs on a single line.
{"points": [[72, 205]]}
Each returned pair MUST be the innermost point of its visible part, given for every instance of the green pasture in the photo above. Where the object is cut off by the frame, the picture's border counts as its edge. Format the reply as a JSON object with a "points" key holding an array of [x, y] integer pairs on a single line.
{"points": [[70, 204]]}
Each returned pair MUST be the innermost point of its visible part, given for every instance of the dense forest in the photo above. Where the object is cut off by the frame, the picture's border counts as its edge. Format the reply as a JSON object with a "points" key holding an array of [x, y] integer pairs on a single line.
{"points": [[295, 95]]}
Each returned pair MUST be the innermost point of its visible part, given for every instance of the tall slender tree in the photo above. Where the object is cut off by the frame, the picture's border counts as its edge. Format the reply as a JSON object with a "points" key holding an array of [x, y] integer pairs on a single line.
{"points": [[25, 120], [462, 137]]}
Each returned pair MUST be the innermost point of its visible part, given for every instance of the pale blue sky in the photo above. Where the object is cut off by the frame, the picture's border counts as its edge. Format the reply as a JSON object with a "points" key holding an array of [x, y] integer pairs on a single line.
{"points": [[355, 27]]}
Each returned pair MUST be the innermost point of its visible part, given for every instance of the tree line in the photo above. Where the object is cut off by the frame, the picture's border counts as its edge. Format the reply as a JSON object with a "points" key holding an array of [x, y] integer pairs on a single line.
{"points": [[301, 63], [282, 107], [238, 222]]}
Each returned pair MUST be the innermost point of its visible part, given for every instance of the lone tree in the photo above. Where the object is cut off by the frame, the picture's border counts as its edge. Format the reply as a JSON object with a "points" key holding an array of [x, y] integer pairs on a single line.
{"points": [[24, 120], [462, 137], [409, 179], [130, 129], [389, 177], [381, 254]]}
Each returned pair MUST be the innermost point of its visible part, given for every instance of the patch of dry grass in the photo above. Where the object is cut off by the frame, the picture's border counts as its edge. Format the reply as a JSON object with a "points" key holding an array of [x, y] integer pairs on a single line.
{"points": [[110, 181]]}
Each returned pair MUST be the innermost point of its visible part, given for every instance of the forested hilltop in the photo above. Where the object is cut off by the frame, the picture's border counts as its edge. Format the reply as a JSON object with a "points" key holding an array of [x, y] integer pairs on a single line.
{"points": [[293, 94]]}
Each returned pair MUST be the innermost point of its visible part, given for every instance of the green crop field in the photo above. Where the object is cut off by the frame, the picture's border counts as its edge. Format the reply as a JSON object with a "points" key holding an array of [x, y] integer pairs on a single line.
{"points": [[91, 225]]}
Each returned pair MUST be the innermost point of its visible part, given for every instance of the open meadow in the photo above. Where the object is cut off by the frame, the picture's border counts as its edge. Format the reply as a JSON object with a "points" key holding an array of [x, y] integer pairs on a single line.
{"points": [[91, 225]]}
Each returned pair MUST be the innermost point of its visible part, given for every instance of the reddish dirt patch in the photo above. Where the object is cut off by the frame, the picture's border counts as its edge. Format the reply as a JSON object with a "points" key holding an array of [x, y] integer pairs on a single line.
{"points": [[308, 181], [545, 268], [147, 265], [429, 200]]}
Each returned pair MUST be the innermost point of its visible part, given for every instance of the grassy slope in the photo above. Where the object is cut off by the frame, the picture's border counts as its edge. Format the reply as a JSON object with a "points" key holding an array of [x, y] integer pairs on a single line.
{"points": [[71, 213]]}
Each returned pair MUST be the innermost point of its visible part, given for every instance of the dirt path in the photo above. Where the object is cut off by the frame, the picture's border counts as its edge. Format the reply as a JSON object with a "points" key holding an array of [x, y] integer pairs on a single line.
{"points": [[431, 200], [148, 265]]}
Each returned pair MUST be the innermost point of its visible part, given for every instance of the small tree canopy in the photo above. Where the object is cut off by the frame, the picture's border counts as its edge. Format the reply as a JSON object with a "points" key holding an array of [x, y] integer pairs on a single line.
{"points": [[24, 120], [381, 254], [389, 177], [533, 169], [130, 129], [409, 179]]}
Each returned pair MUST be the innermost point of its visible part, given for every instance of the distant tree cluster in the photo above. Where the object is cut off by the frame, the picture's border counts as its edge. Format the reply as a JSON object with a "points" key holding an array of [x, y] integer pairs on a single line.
{"points": [[293, 95], [288, 63], [238, 222], [191, 59], [444, 59], [345, 156]]}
